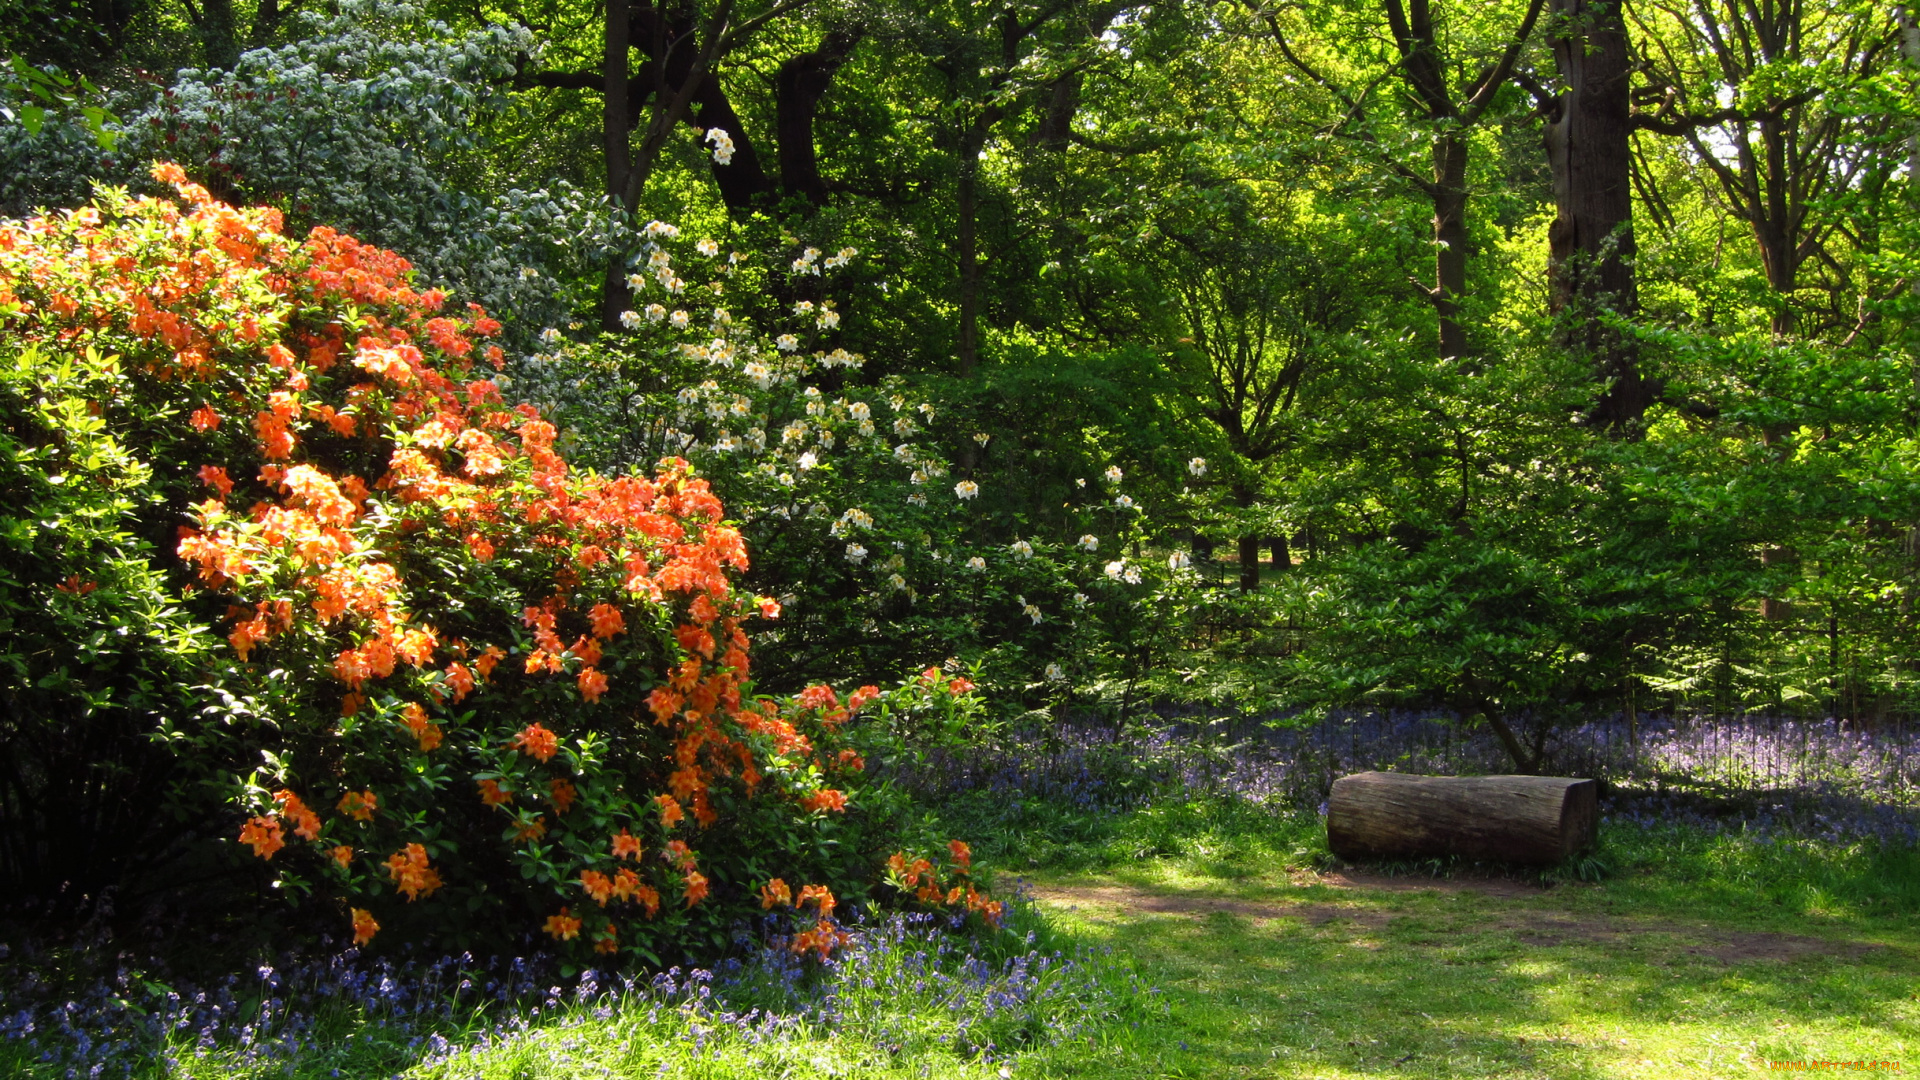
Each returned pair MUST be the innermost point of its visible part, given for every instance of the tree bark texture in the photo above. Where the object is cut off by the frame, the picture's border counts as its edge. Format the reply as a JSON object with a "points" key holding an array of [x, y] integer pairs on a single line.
{"points": [[1515, 819], [1590, 244]]}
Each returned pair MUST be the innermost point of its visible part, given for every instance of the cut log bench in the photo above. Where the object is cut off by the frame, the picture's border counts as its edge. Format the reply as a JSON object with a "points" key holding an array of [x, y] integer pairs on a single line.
{"points": [[1513, 819]]}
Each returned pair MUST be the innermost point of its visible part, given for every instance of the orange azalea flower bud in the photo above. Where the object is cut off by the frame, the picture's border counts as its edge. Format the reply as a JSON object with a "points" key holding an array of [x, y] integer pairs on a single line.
{"points": [[775, 892], [342, 854], [962, 854], [563, 793]]}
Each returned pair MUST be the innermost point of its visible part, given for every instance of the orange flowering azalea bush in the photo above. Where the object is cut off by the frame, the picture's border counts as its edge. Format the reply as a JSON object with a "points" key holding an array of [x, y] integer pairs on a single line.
{"points": [[464, 689]]}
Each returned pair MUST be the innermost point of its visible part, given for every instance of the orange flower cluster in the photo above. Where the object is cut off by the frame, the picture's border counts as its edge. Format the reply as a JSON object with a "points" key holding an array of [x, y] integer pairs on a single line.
{"points": [[563, 927], [262, 834], [306, 823], [410, 873], [364, 927], [921, 879]]}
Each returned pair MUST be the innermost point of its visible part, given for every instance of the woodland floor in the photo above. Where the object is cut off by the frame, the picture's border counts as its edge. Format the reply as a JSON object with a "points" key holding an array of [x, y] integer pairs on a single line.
{"points": [[1298, 974]]}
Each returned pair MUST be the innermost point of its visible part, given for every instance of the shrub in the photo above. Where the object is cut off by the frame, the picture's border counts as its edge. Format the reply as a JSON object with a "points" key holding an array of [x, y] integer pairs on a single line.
{"points": [[896, 527], [469, 688]]}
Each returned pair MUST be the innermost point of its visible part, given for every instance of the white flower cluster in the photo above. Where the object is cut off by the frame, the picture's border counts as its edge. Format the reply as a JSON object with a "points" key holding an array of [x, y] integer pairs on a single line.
{"points": [[722, 144]]}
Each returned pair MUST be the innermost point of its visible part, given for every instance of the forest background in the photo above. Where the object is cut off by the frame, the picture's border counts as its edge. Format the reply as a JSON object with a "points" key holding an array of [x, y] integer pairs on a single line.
{"points": [[1526, 361]]}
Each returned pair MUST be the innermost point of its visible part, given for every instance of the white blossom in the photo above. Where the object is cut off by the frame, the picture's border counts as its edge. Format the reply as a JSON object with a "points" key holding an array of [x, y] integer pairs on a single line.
{"points": [[1123, 502], [655, 312], [808, 460], [976, 563], [1032, 611], [1198, 466], [679, 320], [966, 489], [1089, 542], [1115, 568], [786, 342], [1055, 673], [1114, 475], [856, 554], [707, 248], [1178, 561], [630, 319], [1022, 549]]}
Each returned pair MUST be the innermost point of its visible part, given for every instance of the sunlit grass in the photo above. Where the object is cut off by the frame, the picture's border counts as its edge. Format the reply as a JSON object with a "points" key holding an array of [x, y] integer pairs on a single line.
{"points": [[1208, 944]]}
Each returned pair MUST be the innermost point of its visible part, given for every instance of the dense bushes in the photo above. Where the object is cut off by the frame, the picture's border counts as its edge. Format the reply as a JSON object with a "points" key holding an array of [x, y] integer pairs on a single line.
{"points": [[464, 689]]}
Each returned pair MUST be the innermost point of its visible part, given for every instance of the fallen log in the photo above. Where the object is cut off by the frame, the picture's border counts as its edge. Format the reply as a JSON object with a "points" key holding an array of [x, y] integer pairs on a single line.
{"points": [[1516, 819]]}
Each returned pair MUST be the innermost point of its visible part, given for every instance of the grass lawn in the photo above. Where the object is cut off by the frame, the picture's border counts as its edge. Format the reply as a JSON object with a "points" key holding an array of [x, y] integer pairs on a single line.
{"points": [[1704, 955]]}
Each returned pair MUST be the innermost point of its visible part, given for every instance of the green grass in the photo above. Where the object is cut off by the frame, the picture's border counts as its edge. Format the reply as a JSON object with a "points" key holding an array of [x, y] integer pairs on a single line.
{"points": [[1665, 970], [1699, 955]]}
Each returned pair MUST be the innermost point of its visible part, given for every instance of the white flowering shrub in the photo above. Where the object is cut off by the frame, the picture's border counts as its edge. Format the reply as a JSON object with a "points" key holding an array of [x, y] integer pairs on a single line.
{"points": [[882, 550]]}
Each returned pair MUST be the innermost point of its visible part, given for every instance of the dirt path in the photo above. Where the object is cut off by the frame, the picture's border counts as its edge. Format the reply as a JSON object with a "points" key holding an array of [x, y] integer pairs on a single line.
{"points": [[1532, 926]]}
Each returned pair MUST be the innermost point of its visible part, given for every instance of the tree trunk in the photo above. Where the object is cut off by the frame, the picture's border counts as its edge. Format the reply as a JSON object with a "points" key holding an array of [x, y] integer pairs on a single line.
{"points": [[743, 180], [1591, 248], [966, 204], [1517, 819], [1450, 239], [1249, 563], [1282, 558], [614, 123], [798, 88]]}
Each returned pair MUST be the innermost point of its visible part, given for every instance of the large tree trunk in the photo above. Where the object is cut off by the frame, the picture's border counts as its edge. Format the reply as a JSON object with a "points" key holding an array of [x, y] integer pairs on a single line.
{"points": [[615, 120], [798, 87], [1589, 147], [1516, 819], [1450, 239]]}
